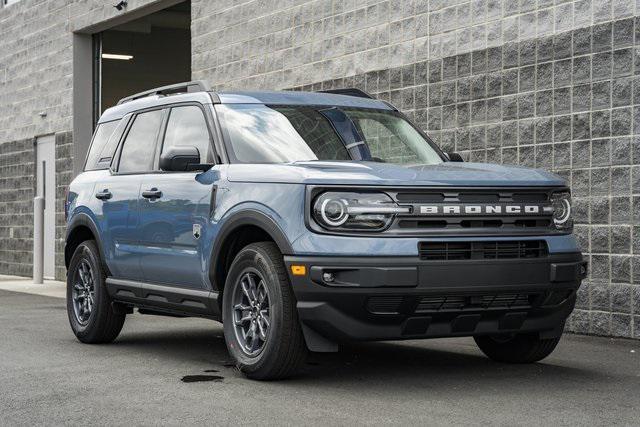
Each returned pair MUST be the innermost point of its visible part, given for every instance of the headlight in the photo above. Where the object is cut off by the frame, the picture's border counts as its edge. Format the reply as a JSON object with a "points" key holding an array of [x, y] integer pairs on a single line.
{"points": [[336, 210], [561, 203]]}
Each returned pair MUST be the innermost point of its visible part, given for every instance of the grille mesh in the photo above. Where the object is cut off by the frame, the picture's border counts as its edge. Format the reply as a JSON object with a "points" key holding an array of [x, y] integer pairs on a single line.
{"points": [[458, 303], [479, 223], [507, 249], [393, 304], [470, 196]]}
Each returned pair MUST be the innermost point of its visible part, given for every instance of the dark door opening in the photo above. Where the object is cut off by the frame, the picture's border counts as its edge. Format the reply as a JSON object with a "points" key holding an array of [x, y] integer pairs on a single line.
{"points": [[151, 51]]}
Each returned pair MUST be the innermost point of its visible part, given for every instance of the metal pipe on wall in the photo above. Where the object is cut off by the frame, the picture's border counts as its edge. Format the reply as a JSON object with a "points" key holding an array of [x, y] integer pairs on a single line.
{"points": [[38, 240]]}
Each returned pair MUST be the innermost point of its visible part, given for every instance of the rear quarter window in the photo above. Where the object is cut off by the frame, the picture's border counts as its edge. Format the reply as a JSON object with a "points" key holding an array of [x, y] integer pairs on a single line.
{"points": [[103, 146]]}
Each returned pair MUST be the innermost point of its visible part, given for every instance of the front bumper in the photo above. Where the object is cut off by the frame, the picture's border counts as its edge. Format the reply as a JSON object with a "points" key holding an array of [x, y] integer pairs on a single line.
{"points": [[384, 298]]}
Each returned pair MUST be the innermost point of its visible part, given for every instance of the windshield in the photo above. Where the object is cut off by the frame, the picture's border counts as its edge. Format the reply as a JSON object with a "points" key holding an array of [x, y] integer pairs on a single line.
{"points": [[259, 133]]}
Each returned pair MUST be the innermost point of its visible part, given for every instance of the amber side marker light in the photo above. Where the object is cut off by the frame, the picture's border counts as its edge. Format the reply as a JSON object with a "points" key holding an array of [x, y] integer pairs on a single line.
{"points": [[298, 270]]}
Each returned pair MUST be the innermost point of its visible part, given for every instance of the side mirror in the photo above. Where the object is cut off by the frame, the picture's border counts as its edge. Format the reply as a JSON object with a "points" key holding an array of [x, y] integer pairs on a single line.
{"points": [[182, 158], [455, 157]]}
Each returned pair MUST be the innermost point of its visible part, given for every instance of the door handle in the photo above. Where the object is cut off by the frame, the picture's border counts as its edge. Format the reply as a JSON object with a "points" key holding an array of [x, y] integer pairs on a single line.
{"points": [[104, 195], [152, 194]]}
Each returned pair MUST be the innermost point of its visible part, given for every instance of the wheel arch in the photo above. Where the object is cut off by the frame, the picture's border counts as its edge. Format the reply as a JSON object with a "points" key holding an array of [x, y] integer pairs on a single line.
{"points": [[80, 229], [243, 228]]}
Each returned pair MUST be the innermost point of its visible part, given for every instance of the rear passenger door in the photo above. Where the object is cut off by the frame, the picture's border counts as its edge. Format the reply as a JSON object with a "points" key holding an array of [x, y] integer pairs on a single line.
{"points": [[117, 195], [175, 207]]}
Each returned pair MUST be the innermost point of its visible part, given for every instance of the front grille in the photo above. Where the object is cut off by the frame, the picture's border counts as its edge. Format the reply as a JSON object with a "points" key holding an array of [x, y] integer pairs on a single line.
{"points": [[421, 304], [458, 303], [474, 223], [479, 211], [472, 196], [506, 249]]}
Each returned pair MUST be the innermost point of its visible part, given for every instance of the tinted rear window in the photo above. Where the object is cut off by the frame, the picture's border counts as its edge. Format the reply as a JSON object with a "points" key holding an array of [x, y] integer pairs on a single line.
{"points": [[103, 146]]}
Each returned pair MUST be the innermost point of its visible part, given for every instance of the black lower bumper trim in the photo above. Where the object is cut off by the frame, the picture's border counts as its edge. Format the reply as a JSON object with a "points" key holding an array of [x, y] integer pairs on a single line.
{"points": [[447, 298]]}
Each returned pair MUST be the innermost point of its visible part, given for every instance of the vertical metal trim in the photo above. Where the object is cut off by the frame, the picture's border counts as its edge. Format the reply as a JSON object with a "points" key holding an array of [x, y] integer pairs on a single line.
{"points": [[44, 182], [97, 78]]}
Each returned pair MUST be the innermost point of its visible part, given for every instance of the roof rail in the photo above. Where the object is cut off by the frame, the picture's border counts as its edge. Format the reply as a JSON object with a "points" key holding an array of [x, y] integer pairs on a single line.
{"points": [[350, 91], [193, 86]]}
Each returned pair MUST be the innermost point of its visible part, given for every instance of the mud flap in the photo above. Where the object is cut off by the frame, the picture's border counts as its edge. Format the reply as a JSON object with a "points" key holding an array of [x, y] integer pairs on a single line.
{"points": [[316, 342], [552, 333]]}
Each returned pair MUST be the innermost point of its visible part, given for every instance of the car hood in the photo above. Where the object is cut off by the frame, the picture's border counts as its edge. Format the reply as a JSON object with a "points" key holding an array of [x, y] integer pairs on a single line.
{"points": [[373, 173]]}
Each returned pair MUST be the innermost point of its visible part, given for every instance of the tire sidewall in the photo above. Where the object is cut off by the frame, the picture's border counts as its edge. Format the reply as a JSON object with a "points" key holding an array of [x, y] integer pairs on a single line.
{"points": [[85, 251], [255, 258]]}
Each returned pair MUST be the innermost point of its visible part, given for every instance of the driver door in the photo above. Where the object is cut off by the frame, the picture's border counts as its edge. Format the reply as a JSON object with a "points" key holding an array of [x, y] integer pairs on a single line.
{"points": [[176, 207]]}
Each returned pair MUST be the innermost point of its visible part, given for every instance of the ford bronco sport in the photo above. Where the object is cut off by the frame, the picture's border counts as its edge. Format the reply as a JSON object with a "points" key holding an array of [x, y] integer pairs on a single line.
{"points": [[305, 220]]}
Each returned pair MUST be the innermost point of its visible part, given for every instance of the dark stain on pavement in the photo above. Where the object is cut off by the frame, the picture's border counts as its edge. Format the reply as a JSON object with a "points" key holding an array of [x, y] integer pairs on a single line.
{"points": [[200, 378]]}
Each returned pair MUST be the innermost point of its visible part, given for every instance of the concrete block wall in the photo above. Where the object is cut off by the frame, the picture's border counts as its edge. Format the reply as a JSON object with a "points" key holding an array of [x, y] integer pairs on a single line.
{"points": [[64, 175], [17, 189], [36, 62], [548, 84], [36, 76], [544, 83]]}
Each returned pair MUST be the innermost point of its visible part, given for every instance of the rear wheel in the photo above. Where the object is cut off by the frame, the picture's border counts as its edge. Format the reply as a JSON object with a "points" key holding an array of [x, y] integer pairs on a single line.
{"points": [[91, 314], [261, 324], [520, 348]]}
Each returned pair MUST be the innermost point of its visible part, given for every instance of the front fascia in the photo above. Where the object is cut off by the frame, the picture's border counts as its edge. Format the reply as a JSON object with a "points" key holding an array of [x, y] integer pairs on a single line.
{"points": [[311, 243], [511, 207]]}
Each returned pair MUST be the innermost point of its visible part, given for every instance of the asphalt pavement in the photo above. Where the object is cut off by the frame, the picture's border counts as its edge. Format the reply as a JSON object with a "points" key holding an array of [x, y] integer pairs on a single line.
{"points": [[177, 372]]}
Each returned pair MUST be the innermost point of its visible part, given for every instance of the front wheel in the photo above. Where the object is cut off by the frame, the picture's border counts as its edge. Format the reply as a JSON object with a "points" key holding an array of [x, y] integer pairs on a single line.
{"points": [[260, 320], [519, 348]]}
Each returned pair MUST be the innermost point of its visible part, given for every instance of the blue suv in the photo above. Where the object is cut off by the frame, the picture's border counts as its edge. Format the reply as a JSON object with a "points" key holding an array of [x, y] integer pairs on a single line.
{"points": [[304, 220]]}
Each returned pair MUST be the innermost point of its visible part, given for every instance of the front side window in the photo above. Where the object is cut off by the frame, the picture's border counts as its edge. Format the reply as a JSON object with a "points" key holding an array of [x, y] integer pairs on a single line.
{"points": [[280, 134], [139, 146], [187, 126]]}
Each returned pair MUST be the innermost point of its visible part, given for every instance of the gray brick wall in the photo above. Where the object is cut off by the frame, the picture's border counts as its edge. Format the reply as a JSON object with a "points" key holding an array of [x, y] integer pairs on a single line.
{"points": [[36, 76], [64, 175], [547, 83], [36, 62], [17, 189]]}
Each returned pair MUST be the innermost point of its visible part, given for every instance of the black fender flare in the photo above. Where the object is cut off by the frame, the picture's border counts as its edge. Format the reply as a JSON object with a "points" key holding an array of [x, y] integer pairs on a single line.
{"points": [[83, 220], [243, 218]]}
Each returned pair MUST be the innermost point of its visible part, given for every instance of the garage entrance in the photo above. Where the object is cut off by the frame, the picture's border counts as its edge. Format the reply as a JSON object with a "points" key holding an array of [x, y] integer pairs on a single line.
{"points": [[150, 51], [139, 49]]}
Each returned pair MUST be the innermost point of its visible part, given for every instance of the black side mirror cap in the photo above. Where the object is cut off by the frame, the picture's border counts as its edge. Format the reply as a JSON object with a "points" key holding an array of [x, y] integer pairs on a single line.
{"points": [[182, 158], [455, 157]]}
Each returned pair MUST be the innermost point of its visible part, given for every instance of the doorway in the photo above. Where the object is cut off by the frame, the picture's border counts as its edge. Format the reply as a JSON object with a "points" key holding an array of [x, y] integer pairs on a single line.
{"points": [[46, 188], [151, 51], [146, 47]]}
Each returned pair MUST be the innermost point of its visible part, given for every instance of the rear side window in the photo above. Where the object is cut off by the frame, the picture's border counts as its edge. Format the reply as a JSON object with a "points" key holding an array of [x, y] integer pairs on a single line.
{"points": [[187, 126], [139, 146], [103, 145]]}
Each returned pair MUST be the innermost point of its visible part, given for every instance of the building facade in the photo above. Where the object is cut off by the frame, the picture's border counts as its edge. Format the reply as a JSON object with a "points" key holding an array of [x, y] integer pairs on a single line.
{"points": [[552, 84]]}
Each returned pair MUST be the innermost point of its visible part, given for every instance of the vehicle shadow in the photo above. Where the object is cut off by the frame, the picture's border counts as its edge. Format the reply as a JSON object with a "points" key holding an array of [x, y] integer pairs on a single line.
{"points": [[428, 363]]}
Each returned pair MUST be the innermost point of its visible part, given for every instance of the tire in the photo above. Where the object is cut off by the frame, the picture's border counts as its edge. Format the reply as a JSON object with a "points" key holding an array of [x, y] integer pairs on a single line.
{"points": [[102, 324], [283, 351], [521, 348]]}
